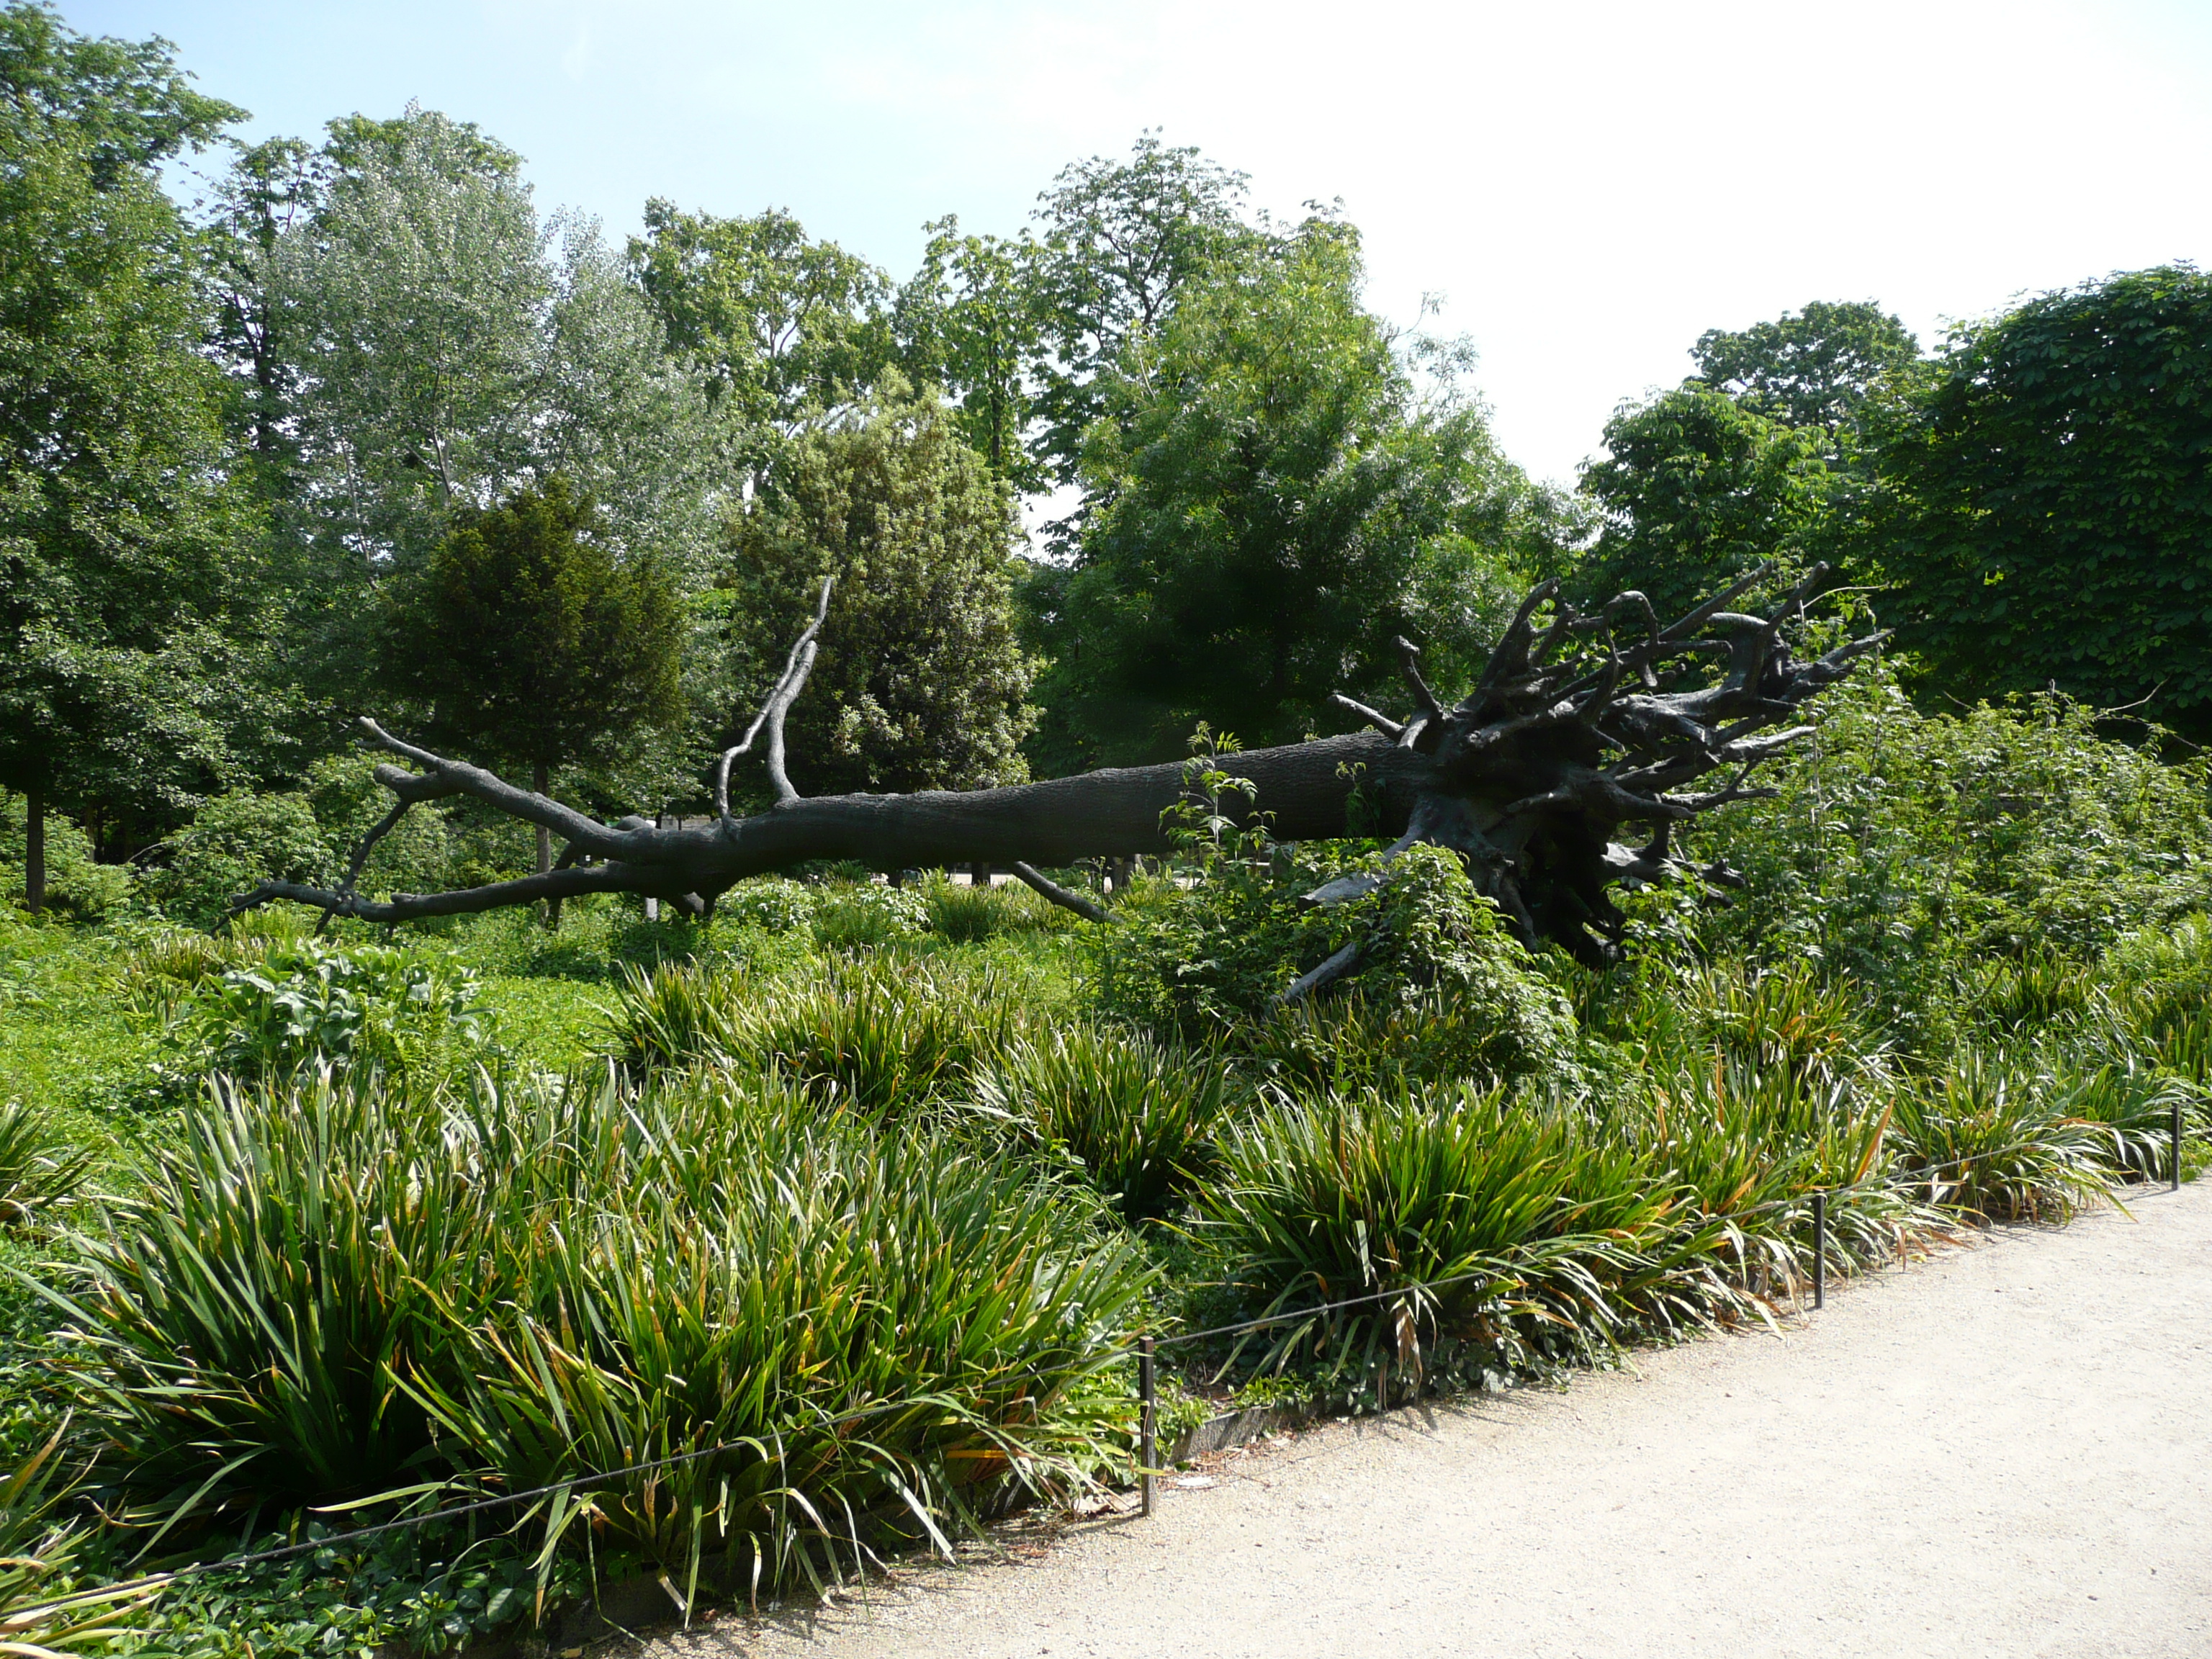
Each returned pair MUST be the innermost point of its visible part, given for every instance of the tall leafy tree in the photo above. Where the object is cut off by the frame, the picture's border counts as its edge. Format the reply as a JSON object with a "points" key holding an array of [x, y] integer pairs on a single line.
{"points": [[2047, 500], [921, 682], [1810, 368], [1118, 241], [117, 573], [452, 348], [1697, 487], [1272, 501], [969, 322], [527, 636], [783, 327]]}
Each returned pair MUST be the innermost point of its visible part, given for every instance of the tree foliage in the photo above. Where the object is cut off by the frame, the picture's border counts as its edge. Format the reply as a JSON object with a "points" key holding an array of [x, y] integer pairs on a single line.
{"points": [[124, 603], [527, 637], [2048, 499], [1697, 487], [1267, 492], [783, 328], [1815, 367], [922, 682], [451, 348]]}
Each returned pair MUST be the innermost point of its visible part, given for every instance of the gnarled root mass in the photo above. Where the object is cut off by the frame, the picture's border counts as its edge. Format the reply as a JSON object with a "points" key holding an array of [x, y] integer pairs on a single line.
{"points": [[1575, 729]]}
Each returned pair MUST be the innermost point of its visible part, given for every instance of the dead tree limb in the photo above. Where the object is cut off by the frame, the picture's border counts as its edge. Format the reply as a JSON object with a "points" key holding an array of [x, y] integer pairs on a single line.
{"points": [[1574, 730]]}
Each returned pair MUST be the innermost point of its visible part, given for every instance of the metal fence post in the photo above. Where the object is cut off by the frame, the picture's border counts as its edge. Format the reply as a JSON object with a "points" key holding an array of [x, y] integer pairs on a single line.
{"points": [[2177, 1143], [1147, 1450], [1820, 1249]]}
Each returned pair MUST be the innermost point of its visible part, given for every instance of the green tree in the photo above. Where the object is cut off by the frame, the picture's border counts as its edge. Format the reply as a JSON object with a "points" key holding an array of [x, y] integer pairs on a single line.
{"points": [[1697, 487], [1815, 367], [1270, 500], [451, 348], [527, 636], [968, 322], [2046, 513], [1120, 241], [118, 583], [922, 682], [783, 328]]}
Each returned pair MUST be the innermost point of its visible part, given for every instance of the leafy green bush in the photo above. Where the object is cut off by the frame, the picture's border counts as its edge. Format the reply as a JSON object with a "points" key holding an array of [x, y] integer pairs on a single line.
{"points": [[78, 885], [774, 904], [1903, 846], [235, 842], [1565, 1243], [39, 1168], [334, 1288], [863, 916], [1136, 1117], [306, 1003], [1215, 960]]}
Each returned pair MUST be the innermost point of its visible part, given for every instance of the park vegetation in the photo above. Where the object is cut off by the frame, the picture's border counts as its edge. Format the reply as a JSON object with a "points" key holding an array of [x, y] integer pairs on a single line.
{"points": [[746, 1231]]}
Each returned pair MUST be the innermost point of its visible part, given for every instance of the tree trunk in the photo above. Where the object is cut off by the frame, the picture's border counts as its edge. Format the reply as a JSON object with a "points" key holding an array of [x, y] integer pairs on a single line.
{"points": [[34, 848], [541, 778], [1528, 779]]}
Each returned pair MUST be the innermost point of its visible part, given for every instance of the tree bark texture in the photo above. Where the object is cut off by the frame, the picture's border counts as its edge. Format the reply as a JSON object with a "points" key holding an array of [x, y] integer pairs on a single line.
{"points": [[1576, 729]]}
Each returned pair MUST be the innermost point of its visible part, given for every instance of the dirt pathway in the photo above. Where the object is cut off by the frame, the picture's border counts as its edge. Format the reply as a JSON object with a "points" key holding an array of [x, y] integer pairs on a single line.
{"points": [[2005, 1451]]}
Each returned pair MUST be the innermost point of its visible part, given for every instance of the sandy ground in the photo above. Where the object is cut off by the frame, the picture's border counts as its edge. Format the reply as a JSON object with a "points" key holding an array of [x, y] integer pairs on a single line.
{"points": [[2005, 1450]]}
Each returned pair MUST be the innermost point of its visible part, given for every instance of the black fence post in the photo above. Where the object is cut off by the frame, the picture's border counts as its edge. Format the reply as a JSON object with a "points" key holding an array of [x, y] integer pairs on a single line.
{"points": [[1820, 1249], [1147, 1450], [2177, 1143]]}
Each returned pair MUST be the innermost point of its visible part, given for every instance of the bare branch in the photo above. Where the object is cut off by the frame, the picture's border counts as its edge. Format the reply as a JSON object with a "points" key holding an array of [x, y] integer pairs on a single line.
{"points": [[1066, 898], [1409, 664], [796, 667], [461, 901], [1321, 978], [1389, 728]]}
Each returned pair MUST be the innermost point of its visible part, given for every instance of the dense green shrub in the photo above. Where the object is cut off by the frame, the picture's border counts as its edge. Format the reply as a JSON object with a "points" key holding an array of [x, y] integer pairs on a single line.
{"points": [[78, 885], [306, 1003], [864, 915], [1903, 844], [235, 842], [774, 904], [1136, 1117], [331, 1289], [1216, 958]]}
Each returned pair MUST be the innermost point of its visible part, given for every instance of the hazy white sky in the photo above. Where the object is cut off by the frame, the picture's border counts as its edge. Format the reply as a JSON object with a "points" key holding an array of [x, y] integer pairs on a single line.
{"points": [[1588, 186]]}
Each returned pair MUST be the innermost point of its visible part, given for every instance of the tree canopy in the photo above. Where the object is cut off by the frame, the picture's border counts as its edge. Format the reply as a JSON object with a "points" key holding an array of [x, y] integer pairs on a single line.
{"points": [[1815, 367], [2047, 508], [125, 558], [1697, 487], [1265, 486], [922, 682]]}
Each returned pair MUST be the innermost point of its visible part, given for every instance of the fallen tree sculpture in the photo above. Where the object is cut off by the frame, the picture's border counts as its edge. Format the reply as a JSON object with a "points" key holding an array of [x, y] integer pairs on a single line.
{"points": [[1572, 731]]}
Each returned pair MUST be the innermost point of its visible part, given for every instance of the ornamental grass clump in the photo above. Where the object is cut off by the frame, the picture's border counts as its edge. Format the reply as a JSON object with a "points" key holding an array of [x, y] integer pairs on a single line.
{"points": [[1561, 1244], [1750, 1145], [1135, 1116], [876, 1035], [334, 1291], [1989, 1138]]}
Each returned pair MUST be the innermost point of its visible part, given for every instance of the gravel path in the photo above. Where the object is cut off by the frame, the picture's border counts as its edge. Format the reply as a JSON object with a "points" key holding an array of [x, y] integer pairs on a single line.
{"points": [[2006, 1451]]}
